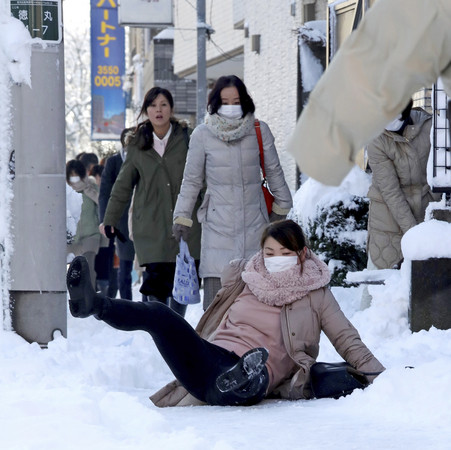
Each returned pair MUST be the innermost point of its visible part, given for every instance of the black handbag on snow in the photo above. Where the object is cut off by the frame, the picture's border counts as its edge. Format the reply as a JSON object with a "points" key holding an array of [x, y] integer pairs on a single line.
{"points": [[335, 380]]}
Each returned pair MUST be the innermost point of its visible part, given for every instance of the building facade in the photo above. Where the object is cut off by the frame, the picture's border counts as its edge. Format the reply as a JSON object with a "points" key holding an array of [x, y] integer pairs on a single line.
{"points": [[262, 42], [151, 63], [257, 40]]}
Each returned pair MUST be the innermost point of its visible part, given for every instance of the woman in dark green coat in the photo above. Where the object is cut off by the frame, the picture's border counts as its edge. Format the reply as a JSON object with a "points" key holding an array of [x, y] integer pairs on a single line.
{"points": [[153, 172]]}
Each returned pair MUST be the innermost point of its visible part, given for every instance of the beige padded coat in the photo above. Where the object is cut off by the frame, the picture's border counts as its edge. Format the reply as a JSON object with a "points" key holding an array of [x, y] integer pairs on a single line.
{"points": [[233, 212], [302, 322], [399, 193], [398, 48]]}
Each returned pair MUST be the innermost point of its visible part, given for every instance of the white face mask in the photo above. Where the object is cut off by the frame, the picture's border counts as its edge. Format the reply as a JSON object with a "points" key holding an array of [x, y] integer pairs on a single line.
{"points": [[395, 124], [280, 263], [231, 111], [74, 179]]}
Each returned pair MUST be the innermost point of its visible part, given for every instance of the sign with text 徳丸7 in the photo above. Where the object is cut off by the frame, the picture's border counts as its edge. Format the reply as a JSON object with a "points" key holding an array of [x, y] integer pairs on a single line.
{"points": [[107, 71], [42, 18]]}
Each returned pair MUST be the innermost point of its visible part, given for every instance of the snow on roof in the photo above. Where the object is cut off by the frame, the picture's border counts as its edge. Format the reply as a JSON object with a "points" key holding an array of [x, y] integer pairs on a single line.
{"points": [[167, 33]]}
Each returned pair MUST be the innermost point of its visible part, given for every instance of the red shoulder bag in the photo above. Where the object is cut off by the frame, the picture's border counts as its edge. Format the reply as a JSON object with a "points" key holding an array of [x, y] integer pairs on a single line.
{"points": [[269, 198]]}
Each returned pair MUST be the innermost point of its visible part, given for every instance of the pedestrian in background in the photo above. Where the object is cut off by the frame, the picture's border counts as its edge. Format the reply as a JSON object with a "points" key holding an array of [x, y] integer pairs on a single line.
{"points": [[153, 169], [124, 248], [87, 238], [105, 255], [399, 192], [224, 153], [89, 160]]}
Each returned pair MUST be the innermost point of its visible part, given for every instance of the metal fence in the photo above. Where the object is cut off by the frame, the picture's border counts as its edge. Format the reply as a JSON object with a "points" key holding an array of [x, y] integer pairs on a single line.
{"points": [[441, 170]]}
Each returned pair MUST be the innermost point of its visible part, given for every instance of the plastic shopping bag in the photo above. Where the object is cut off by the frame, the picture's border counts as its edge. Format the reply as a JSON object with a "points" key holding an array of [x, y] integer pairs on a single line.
{"points": [[186, 283]]}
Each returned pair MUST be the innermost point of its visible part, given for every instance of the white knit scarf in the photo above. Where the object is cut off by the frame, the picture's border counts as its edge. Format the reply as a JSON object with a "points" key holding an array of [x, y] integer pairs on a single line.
{"points": [[281, 288], [228, 130]]}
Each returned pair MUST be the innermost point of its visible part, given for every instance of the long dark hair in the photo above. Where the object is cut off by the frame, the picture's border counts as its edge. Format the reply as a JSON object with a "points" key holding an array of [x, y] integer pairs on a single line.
{"points": [[143, 134], [287, 233], [214, 98]]}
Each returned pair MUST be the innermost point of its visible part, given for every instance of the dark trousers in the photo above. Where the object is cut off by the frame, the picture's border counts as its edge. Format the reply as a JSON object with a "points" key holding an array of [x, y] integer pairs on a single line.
{"points": [[158, 282], [125, 279], [103, 267], [112, 285], [195, 362]]}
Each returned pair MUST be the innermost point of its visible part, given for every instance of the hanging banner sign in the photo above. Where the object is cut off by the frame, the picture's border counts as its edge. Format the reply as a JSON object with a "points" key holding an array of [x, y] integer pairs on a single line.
{"points": [[107, 71]]}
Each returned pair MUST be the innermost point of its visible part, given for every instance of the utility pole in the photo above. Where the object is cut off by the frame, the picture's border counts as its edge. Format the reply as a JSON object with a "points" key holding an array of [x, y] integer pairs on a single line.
{"points": [[38, 264], [201, 62]]}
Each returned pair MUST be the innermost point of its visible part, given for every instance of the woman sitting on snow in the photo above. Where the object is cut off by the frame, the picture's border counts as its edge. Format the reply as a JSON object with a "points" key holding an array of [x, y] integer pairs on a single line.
{"points": [[259, 337]]}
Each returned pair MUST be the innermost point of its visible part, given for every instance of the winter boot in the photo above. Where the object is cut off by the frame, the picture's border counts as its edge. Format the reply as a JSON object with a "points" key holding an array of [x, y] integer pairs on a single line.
{"points": [[176, 306], [248, 368], [84, 301], [255, 390]]}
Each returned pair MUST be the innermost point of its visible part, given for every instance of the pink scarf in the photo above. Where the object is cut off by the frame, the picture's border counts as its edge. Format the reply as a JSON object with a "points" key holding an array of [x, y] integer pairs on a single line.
{"points": [[281, 288]]}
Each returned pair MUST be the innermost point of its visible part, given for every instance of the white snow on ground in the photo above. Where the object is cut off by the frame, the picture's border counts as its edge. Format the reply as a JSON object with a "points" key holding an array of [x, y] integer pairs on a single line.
{"points": [[91, 391]]}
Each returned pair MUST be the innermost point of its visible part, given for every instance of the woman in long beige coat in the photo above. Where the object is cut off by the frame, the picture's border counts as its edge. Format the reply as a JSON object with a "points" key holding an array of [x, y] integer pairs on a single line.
{"points": [[265, 343], [399, 193], [224, 154]]}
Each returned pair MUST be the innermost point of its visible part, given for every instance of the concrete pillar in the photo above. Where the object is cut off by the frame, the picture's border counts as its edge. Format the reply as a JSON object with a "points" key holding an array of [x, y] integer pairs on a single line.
{"points": [[430, 295], [38, 291]]}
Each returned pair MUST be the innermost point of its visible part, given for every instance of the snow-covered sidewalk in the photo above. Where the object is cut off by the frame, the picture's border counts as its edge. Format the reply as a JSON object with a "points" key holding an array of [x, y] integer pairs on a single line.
{"points": [[91, 391]]}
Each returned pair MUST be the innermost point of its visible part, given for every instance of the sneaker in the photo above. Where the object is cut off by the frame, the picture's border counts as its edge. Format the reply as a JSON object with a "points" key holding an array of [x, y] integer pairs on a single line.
{"points": [[245, 370], [81, 292]]}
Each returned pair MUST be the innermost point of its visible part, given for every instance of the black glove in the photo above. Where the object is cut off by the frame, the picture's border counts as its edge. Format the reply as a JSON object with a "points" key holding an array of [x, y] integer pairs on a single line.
{"points": [[273, 217], [180, 231], [112, 233]]}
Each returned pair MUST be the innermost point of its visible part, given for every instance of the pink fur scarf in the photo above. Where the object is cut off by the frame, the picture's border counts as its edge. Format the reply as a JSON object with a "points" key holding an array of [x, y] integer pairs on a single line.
{"points": [[281, 288]]}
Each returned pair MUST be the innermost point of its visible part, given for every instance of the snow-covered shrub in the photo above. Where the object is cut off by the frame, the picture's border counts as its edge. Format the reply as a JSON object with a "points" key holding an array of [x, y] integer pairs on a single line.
{"points": [[338, 236], [334, 219]]}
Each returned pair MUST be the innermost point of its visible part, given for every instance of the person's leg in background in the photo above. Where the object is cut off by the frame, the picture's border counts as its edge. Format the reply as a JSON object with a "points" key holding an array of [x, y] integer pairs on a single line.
{"points": [[367, 298], [145, 275], [211, 288], [113, 284], [156, 284], [159, 284], [103, 267], [125, 279], [176, 306]]}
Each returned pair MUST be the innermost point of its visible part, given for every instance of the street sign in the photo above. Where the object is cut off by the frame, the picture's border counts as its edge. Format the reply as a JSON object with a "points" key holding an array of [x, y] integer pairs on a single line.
{"points": [[42, 18]]}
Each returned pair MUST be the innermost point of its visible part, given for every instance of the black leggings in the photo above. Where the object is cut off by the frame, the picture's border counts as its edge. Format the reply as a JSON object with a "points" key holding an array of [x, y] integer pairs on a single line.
{"points": [[195, 362]]}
